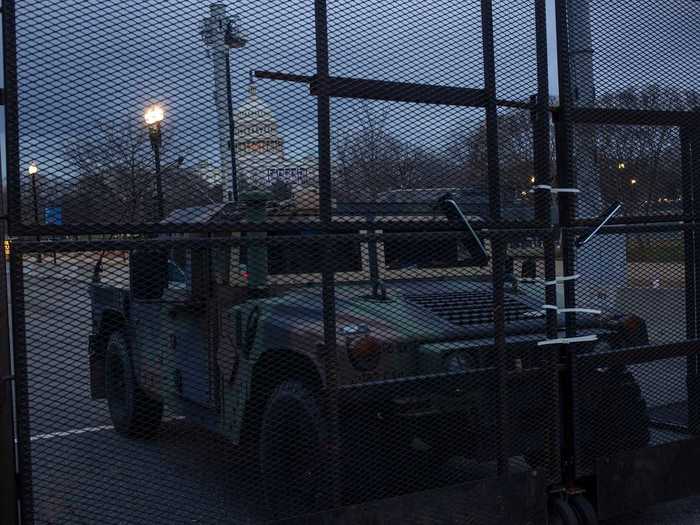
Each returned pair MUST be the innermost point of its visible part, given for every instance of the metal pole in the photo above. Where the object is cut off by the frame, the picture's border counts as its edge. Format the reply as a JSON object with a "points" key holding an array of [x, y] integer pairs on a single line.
{"points": [[221, 35], [498, 244], [543, 215], [8, 479], [36, 211], [603, 270], [21, 380], [231, 130], [155, 135], [323, 112], [14, 192], [567, 215]]}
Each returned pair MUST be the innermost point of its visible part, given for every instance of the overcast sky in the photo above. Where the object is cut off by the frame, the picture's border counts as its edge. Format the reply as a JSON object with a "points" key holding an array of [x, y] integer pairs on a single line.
{"points": [[86, 61]]}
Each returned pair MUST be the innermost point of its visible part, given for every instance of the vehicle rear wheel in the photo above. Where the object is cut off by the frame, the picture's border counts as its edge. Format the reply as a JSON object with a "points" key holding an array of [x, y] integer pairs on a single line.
{"points": [[133, 413], [291, 450], [583, 509], [561, 513], [617, 414]]}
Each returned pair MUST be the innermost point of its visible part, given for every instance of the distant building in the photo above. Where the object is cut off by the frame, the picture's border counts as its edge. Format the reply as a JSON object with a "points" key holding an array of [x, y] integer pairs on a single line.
{"points": [[260, 157]]}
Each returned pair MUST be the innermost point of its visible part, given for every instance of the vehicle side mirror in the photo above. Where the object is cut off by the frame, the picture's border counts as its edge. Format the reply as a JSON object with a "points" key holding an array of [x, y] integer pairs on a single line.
{"points": [[148, 269]]}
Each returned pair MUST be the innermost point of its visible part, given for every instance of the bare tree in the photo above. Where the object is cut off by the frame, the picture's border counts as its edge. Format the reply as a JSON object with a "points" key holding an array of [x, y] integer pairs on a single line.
{"points": [[114, 179], [371, 160], [640, 165]]}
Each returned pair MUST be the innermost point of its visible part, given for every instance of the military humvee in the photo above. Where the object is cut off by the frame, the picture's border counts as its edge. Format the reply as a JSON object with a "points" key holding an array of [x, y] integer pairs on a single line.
{"points": [[232, 337]]}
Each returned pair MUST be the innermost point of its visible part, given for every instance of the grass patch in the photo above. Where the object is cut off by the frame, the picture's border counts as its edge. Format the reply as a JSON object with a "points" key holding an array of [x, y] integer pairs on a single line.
{"points": [[655, 250]]}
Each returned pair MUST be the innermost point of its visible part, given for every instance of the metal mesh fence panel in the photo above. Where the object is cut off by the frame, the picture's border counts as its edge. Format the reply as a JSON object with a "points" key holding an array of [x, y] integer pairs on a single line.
{"points": [[645, 303], [161, 380], [270, 261], [157, 109]]}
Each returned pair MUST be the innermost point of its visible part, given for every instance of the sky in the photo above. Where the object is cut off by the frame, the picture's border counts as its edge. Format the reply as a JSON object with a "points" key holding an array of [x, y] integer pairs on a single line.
{"points": [[84, 62]]}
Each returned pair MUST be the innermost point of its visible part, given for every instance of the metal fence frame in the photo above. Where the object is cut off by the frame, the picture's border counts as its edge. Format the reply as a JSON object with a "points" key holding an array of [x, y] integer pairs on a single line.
{"points": [[562, 364]]}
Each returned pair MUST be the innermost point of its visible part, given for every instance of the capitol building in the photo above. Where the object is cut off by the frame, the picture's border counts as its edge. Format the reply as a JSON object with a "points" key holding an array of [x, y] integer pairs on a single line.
{"points": [[260, 156]]}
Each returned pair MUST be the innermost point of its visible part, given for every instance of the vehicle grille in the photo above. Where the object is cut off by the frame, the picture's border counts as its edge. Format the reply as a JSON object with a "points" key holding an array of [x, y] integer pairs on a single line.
{"points": [[467, 308]]}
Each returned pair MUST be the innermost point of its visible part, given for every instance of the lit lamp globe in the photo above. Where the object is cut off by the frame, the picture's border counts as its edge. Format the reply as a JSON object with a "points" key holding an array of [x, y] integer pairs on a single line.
{"points": [[154, 114], [33, 168]]}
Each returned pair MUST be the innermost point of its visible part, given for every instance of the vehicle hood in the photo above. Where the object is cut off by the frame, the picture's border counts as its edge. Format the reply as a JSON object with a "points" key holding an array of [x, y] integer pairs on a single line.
{"points": [[416, 311]]}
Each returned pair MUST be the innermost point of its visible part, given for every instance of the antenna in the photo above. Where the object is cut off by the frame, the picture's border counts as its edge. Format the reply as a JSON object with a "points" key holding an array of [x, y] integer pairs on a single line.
{"points": [[602, 221], [455, 216]]}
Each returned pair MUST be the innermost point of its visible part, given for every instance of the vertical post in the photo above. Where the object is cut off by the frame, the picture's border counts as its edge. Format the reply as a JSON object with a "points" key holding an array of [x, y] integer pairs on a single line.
{"points": [[231, 131], [8, 479], [690, 165], [567, 214], [155, 135], [35, 198], [498, 244], [543, 215], [603, 271], [257, 253], [14, 211], [21, 374], [220, 34], [14, 192], [323, 108]]}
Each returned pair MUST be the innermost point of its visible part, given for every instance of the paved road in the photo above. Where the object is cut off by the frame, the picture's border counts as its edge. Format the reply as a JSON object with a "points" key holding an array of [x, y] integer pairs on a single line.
{"points": [[84, 473]]}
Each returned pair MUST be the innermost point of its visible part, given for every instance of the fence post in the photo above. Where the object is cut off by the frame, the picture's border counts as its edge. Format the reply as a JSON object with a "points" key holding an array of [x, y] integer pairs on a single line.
{"points": [[8, 477]]}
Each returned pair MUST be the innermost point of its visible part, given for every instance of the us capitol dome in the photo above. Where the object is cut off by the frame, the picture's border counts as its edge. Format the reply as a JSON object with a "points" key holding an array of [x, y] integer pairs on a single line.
{"points": [[260, 157]]}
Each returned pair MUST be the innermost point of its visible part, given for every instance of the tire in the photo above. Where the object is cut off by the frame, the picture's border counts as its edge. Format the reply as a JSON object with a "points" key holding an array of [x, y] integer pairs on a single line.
{"points": [[612, 418], [291, 450], [583, 509], [561, 513], [617, 415], [133, 413]]}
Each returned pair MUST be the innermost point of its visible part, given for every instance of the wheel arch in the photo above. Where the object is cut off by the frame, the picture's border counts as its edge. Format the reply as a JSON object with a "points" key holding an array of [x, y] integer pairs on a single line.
{"points": [[273, 367]]}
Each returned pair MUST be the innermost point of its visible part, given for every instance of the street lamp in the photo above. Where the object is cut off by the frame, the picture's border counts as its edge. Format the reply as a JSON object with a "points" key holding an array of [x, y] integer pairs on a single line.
{"points": [[153, 116], [33, 170]]}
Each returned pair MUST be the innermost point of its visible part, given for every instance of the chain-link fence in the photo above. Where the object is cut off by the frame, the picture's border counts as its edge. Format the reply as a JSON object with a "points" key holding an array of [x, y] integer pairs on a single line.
{"points": [[351, 262]]}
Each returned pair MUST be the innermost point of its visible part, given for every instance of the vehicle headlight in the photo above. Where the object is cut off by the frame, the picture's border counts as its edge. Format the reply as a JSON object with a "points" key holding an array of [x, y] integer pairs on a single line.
{"points": [[364, 350]]}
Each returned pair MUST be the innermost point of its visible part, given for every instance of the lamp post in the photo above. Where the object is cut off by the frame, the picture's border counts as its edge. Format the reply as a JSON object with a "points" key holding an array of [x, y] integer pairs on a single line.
{"points": [[153, 116], [33, 170]]}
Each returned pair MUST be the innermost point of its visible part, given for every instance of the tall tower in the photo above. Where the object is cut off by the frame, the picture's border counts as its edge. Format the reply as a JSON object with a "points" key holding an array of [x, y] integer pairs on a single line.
{"points": [[221, 34], [603, 264]]}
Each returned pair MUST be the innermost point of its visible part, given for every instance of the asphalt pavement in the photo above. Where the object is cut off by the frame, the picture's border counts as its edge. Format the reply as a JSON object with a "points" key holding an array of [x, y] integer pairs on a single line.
{"points": [[84, 473]]}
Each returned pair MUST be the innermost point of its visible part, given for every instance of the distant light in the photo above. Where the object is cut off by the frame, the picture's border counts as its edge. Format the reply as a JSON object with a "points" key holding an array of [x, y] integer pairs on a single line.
{"points": [[532, 179], [154, 114], [33, 168], [523, 193], [6, 247], [633, 181], [620, 165]]}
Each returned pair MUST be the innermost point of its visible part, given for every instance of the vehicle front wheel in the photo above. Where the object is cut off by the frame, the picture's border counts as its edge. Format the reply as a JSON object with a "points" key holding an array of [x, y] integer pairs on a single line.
{"points": [[291, 450], [133, 413]]}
